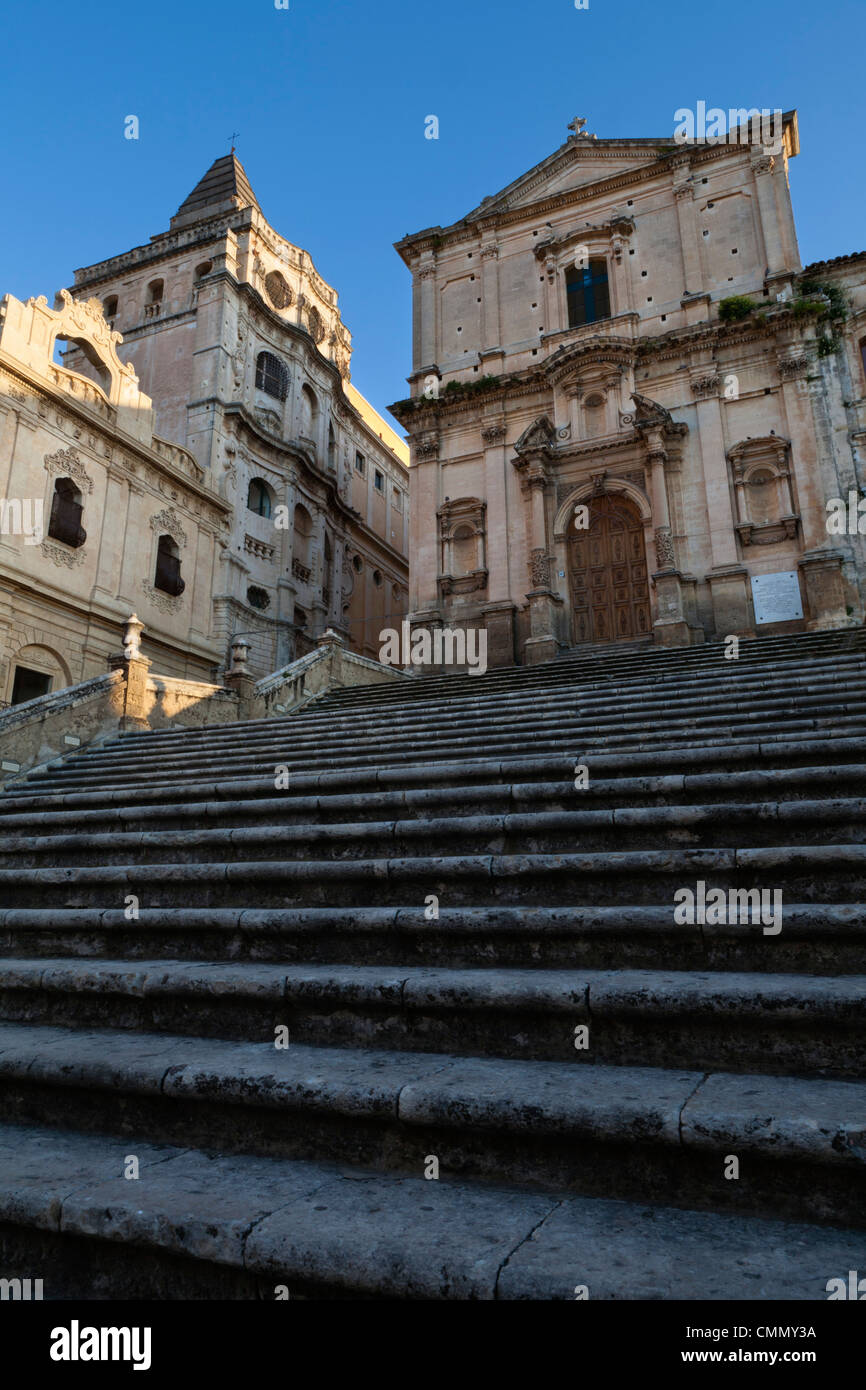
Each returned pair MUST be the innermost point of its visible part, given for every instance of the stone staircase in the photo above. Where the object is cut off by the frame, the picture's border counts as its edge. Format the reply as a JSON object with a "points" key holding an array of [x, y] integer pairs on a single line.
{"points": [[437, 915]]}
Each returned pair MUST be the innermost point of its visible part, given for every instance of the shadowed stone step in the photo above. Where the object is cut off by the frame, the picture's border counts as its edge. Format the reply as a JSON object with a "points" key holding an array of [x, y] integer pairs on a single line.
{"points": [[737, 1021], [549, 1124], [243, 1225]]}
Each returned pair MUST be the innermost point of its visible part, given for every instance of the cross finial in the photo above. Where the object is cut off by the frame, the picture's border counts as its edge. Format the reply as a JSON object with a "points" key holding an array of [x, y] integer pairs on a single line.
{"points": [[578, 125], [234, 135]]}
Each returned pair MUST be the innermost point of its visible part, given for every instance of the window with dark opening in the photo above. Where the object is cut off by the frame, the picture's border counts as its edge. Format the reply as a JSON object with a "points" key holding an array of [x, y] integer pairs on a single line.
{"points": [[259, 497], [272, 376], [66, 508], [588, 293], [168, 567]]}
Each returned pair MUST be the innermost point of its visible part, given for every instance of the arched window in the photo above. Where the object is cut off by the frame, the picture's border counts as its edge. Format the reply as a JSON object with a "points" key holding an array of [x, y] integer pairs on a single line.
{"points": [[332, 449], [317, 328], [109, 307], [272, 376], [302, 543], [260, 497], [154, 291], [204, 269], [66, 508], [168, 567], [588, 293], [309, 413]]}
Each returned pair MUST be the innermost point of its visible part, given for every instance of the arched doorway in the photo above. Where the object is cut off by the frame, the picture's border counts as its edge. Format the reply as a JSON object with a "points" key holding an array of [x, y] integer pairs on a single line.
{"points": [[608, 573]]}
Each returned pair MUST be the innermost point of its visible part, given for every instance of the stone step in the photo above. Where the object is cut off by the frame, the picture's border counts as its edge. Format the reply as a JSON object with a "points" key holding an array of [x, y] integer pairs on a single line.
{"points": [[816, 938], [700, 759], [800, 1024], [563, 741], [706, 709], [291, 807], [841, 820], [618, 1131], [197, 1224], [818, 873], [713, 692]]}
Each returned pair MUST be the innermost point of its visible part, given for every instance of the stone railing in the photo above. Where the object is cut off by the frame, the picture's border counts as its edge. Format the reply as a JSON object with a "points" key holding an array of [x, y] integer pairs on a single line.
{"points": [[329, 667], [41, 732]]}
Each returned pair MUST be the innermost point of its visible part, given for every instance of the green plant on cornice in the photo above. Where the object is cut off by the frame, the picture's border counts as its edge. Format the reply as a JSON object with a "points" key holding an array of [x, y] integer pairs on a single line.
{"points": [[830, 317], [735, 308], [468, 388]]}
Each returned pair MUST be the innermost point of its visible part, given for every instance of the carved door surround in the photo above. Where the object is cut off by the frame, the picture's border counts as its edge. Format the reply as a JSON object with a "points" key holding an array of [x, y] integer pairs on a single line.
{"points": [[607, 570]]}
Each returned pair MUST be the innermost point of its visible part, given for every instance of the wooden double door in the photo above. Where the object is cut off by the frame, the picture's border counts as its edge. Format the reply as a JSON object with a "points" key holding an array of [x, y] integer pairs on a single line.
{"points": [[607, 565]]}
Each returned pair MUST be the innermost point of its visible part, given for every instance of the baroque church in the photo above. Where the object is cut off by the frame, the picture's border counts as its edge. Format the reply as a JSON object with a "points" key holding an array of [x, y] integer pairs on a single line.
{"points": [[184, 423], [632, 410]]}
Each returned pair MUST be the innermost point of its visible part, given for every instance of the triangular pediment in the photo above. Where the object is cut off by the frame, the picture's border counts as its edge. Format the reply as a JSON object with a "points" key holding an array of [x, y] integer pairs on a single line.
{"points": [[581, 161]]}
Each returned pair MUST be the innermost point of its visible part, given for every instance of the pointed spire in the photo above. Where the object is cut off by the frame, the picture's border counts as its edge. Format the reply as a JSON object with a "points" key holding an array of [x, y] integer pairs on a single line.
{"points": [[225, 186]]}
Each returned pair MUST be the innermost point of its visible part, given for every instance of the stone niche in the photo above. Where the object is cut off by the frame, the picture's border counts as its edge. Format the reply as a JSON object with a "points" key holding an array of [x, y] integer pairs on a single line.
{"points": [[766, 510], [462, 547]]}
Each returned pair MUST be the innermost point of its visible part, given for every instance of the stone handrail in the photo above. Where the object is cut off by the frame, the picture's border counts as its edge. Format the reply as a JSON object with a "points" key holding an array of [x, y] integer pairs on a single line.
{"points": [[40, 732]]}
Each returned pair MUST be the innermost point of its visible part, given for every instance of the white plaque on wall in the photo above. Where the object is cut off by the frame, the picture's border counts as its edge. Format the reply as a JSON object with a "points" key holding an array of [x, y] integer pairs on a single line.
{"points": [[777, 597]]}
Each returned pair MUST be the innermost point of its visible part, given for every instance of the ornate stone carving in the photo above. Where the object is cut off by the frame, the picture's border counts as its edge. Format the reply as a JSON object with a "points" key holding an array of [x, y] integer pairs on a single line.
{"points": [[665, 548], [62, 554], [539, 569], [493, 433], [168, 522], [427, 448], [166, 603], [706, 386], [67, 463], [489, 252], [790, 368]]}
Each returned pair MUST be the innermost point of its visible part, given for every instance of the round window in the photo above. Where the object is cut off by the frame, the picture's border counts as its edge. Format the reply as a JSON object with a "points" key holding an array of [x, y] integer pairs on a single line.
{"points": [[277, 290], [258, 598]]}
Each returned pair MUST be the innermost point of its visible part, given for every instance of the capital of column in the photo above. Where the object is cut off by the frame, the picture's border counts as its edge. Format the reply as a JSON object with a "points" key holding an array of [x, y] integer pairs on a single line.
{"points": [[706, 386]]}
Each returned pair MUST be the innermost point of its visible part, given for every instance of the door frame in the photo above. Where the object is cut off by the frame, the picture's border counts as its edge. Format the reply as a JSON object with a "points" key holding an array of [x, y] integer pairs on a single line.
{"points": [[584, 492]]}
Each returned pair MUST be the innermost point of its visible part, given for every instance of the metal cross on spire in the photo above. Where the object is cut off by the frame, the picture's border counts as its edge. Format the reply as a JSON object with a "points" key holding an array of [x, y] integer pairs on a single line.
{"points": [[234, 135]]}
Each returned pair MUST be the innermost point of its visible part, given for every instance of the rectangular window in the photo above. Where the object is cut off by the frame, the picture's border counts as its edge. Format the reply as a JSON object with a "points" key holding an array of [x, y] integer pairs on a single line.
{"points": [[397, 500], [359, 463], [379, 481], [588, 294]]}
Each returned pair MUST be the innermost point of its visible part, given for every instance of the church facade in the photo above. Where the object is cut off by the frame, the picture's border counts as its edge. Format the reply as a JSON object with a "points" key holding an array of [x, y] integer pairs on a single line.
{"points": [[240, 345], [632, 411]]}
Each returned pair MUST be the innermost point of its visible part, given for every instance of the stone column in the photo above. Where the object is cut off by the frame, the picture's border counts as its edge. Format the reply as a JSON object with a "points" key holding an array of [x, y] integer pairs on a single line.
{"points": [[490, 298], [728, 578], [318, 578], [688, 229], [804, 460], [762, 171], [428, 336], [671, 628], [541, 645]]}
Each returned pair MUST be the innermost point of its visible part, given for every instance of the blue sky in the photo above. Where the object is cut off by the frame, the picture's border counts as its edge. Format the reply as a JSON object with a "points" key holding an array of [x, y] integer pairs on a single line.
{"points": [[330, 97]]}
